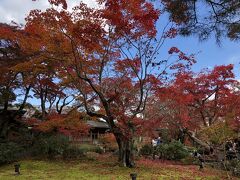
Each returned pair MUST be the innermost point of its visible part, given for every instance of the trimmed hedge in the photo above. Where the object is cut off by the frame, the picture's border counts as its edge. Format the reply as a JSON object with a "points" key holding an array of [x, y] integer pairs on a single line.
{"points": [[174, 150], [146, 150], [73, 152], [50, 146]]}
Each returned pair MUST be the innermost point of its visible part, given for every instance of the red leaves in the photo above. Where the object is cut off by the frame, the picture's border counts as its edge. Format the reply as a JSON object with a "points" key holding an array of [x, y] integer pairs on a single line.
{"points": [[181, 55], [173, 50], [135, 18], [180, 65], [203, 96], [71, 124], [224, 71], [171, 33], [128, 66], [59, 2]]}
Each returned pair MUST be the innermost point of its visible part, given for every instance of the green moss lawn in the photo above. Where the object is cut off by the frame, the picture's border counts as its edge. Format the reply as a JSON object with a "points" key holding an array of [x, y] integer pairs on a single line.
{"points": [[105, 168]]}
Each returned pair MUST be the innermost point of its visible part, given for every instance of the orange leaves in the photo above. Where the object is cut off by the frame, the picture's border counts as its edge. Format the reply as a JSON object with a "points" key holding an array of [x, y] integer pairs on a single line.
{"points": [[104, 54], [6, 31], [72, 124], [108, 138]]}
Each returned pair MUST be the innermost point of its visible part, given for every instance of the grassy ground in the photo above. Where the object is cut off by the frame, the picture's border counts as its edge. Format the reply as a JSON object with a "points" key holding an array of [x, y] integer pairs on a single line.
{"points": [[105, 168]]}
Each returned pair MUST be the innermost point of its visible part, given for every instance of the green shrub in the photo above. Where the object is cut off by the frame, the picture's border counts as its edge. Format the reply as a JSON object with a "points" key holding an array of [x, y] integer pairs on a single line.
{"points": [[98, 150], [90, 148], [174, 150], [57, 145], [162, 150], [189, 160], [73, 152], [50, 146], [10, 152], [146, 150], [233, 166]]}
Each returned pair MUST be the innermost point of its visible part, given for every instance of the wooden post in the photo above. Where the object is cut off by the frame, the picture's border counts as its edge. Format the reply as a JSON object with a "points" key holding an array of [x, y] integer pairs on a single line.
{"points": [[91, 136]]}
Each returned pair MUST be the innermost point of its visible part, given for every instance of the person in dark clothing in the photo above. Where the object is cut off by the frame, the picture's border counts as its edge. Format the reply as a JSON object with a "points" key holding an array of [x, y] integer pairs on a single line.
{"points": [[159, 140], [230, 148], [237, 147], [228, 145], [200, 158]]}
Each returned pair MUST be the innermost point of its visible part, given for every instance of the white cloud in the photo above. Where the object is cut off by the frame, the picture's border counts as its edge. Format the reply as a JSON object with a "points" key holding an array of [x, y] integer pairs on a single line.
{"points": [[17, 10]]}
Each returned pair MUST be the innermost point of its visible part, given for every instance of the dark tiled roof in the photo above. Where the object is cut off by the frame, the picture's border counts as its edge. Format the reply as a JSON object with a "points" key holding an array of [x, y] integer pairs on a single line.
{"points": [[98, 124]]}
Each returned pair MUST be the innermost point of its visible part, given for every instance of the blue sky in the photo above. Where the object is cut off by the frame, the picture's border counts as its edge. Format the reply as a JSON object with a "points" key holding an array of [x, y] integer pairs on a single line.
{"points": [[208, 53]]}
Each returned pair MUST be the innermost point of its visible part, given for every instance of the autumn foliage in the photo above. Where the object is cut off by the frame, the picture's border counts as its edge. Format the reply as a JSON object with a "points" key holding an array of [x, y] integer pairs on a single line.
{"points": [[105, 63], [72, 124]]}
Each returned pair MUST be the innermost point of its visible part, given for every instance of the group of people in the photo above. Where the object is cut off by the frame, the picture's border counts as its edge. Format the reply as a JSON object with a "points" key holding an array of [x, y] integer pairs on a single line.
{"points": [[232, 148], [156, 141]]}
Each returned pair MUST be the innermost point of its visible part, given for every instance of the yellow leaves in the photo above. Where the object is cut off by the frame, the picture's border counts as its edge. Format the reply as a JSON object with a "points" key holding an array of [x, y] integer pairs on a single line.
{"points": [[217, 133]]}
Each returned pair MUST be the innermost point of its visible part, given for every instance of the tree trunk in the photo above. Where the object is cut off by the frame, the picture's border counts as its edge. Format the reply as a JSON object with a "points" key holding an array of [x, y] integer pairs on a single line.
{"points": [[25, 98], [8, 119], [182, 135], [43, 108], [3, 130], [5, 106], [125, 147], [198, 141], [5, 119]]}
